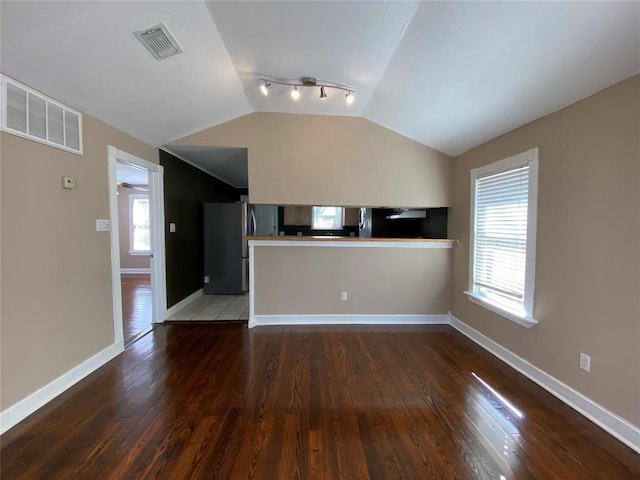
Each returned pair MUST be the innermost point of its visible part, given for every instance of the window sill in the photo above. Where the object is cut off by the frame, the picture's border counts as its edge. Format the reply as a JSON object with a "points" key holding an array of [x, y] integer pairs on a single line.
{"points": [[139, 252], [525, 321]]}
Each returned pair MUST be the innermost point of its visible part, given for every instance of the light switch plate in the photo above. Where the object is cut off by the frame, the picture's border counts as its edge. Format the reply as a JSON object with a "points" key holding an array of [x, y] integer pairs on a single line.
{"points": [[103, 225], [172, 227]]}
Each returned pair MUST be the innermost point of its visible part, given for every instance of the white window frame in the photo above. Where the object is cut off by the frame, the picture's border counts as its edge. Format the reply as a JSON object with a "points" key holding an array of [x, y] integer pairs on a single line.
{"points": [[132, 199], [529, 158], [313, 218]]}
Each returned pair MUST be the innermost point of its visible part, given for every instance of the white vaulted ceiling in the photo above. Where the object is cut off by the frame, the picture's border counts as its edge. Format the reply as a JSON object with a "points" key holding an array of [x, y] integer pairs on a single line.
{"points": [[450, 75], [84, 54], [345, 42]]}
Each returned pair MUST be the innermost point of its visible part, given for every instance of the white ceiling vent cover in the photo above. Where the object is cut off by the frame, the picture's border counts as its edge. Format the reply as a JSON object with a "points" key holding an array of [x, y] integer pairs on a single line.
{"points": [[159, 41]]}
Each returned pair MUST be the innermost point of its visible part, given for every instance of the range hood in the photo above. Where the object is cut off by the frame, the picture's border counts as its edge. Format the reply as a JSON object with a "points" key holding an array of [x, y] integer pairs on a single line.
{"points": [[400, 213]]}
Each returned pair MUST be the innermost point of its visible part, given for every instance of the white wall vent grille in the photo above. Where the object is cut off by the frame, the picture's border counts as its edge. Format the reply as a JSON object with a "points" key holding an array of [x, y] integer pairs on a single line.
{"points": [[30, 114], [159, 41]]}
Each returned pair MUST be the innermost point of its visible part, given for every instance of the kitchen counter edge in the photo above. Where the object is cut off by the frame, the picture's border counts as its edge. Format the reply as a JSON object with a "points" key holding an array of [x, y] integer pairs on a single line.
{"points": [[328, 240]]}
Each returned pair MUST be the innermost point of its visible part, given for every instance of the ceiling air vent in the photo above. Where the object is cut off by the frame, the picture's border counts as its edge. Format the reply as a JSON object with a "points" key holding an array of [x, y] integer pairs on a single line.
{"points": [[159, 41]]}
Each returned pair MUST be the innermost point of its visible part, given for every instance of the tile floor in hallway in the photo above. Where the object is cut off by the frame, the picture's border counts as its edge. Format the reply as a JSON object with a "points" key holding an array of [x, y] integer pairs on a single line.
{"points": [[215, 307]]}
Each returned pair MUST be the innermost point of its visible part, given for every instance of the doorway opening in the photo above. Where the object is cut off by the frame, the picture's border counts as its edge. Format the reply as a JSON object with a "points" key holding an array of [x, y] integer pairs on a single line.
{"points": [[135, 249], [137, 245]]}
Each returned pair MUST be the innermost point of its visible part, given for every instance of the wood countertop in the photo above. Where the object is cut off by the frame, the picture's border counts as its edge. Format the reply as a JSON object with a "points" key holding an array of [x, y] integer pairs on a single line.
{"points": [[338, 239]]}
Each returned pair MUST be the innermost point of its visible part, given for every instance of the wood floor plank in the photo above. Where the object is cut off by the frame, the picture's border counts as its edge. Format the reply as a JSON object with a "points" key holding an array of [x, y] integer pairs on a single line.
{"points": [[219, 459], [292, 463], [328, 402]]}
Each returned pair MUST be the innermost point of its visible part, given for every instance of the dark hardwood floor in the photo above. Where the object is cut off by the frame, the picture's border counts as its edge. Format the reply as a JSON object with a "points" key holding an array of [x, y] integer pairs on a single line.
{"points": [[136, 305], [349, 402]]}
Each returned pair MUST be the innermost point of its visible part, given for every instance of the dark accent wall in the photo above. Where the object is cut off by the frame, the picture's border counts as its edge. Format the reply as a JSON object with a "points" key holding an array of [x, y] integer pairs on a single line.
{"points": [[185, 189]]}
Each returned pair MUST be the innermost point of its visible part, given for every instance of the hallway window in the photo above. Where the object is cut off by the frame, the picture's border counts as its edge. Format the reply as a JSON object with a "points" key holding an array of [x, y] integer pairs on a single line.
{"points": [[139, 225]]}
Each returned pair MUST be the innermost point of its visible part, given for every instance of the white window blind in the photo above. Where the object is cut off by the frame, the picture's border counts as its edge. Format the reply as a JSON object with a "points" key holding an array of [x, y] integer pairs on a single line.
{"points": [[501, 236], [504, 196]]}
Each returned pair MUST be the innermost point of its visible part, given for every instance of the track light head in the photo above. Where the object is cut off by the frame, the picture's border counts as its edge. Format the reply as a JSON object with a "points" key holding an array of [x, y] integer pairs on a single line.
{"points": [[349, 98], [323, 94], [264, 88], [295, 93]]}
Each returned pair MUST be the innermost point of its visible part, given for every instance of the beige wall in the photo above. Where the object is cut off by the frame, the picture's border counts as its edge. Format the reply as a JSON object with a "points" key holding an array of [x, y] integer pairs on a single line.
{"points": [[321, 160], [124, 229], [309, 280], [56, 270], [588, 246]]}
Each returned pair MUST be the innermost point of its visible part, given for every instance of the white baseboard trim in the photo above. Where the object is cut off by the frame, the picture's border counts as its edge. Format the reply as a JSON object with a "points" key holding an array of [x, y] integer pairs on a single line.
{"points": [[25, 407], [135, 271], [260, 320], [623, 430], [183, 303]]}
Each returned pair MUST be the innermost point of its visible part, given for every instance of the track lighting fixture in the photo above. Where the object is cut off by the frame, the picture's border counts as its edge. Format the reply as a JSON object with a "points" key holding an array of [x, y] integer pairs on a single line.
{"points": [[306, 82], [264, 88]]}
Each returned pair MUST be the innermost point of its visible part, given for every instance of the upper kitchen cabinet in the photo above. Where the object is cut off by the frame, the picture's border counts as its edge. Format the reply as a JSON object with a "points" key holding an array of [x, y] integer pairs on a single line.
{"points": [[350, 217], [327, 160], [297, 215]]}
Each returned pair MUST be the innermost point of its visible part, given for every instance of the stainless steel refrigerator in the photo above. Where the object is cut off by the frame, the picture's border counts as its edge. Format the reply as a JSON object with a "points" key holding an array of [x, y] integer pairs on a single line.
{"points": [[365, 227], [226, 254]]}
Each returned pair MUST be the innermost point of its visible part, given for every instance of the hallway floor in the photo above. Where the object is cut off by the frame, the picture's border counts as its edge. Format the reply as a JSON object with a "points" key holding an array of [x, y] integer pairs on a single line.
{"points": [[215, 307], [136, 305]]}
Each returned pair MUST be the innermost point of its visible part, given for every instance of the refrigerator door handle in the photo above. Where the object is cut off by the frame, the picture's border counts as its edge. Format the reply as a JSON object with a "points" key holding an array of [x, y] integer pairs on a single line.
{"points": [[252, 223]]}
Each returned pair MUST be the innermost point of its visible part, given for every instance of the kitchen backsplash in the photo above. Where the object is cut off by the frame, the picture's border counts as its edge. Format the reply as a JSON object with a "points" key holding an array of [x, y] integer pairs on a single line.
{"points": [[434, 225]]}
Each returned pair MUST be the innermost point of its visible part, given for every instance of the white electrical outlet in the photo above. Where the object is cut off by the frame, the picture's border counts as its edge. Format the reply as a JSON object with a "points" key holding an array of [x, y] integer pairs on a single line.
{"points": [[207, 279], [172, 227], [585, 362], [344, 296]]}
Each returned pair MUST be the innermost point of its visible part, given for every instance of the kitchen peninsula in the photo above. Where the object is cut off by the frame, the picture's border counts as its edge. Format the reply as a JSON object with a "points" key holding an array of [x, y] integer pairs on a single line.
{"points": [[348, 280]]}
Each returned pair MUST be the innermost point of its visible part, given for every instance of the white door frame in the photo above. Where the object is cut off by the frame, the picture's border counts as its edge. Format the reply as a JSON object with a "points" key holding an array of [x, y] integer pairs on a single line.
{"points": [[157, 260]]}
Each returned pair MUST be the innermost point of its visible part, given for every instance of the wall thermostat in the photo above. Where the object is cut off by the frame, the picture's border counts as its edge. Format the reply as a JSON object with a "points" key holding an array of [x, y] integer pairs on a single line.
{"points": [[68, 183]]}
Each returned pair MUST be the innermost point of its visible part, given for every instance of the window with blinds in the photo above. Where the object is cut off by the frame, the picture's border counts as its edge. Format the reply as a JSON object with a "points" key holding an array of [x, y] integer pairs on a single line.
{"points": [[504, 196], [30, 114]]}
